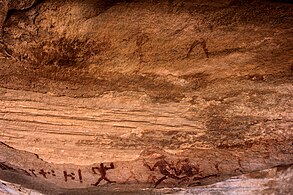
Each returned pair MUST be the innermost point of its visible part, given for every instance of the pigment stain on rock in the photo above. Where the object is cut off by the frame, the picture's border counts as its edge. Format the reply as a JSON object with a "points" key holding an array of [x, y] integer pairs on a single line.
{"points": [[148, 94]]}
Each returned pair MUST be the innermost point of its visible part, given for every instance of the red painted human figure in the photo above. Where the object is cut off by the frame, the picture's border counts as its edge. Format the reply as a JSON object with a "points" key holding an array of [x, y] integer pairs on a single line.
{"points": [[103, 171]]}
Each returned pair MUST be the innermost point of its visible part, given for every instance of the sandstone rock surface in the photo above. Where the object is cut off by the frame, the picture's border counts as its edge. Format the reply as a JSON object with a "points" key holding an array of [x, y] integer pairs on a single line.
{"points": [[146, 93]]}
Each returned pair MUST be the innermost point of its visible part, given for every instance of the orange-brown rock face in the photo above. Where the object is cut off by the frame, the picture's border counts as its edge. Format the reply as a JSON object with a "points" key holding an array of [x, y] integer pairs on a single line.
{"points": [[146, 94]]}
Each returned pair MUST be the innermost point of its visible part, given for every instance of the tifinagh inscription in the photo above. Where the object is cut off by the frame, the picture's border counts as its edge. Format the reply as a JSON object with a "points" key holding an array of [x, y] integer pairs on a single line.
{"points": [[69, 176]]}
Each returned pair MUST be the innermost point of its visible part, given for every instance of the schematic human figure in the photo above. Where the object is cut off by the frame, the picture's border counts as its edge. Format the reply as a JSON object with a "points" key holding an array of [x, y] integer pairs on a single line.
{"points": [[103, 171]]}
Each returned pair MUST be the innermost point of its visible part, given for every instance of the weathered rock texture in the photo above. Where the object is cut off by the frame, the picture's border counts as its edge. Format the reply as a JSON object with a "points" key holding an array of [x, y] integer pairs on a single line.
{"points": [[164, 93], [5, 6]]}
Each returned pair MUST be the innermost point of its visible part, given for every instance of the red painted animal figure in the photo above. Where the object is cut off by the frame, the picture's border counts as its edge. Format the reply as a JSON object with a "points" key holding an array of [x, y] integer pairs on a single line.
{"points": [[166, 169], [5, 6]]}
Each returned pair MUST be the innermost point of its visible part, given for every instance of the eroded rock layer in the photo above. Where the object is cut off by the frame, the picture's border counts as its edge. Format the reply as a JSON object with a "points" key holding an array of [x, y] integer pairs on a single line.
{"points": [[147, 93]]}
